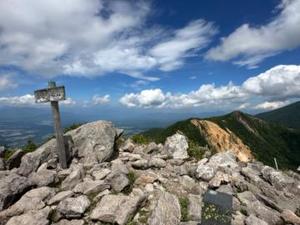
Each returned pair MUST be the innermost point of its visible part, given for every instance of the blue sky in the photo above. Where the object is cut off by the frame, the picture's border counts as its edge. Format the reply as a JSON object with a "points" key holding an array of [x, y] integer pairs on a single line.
{"points": [[191, 56]]}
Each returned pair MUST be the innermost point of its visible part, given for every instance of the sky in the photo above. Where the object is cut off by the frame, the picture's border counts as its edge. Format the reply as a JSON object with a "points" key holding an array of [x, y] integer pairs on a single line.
{"points": [[152, 56]]}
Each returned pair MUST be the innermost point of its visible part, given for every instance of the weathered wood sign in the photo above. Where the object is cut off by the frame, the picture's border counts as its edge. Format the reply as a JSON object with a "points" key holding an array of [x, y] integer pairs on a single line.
{"points": [[217, 208], [54, 94], [50, 94]]}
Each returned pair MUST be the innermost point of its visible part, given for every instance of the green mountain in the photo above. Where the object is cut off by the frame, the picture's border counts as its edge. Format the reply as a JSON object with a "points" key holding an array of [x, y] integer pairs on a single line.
{"points": [[288, 115], [246, 135]]}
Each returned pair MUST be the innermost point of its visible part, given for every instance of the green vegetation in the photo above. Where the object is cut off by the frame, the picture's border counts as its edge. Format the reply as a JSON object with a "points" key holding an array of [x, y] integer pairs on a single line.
{"points": [[287, 116], [184, 203], [266, 140], [211, 213], [195, 151], [139, 139], [29, 147], [186, 127], [131, 177]]}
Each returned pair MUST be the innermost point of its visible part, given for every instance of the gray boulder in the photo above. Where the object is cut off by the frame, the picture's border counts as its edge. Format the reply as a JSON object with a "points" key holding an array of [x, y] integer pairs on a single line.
{"points": [[32, 200], [59, 197], [194, 207], [39, 217], [70, 222], [95, 141], [43, 177], [116, 209], [74, 207], [253, 220], [289, 217], [118, 181], [73, 178], [89, 186], [176, 146], [31, 161], [167, 210], [205, 172], [11, 187]]}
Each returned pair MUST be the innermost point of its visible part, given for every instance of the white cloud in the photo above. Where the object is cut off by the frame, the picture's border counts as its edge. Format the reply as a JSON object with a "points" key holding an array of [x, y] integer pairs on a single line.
{"points": [[252, 44], [171, 53], [271, 105], [279, 82], [100, 100], [18, 100], [92, 38], [275, 86], [6, 82], [69, 102]]}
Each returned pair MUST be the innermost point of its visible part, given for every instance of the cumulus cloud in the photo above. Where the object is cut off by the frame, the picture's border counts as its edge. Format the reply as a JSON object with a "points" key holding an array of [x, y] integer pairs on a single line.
{"points": [[100, 100], [7, 83], [276, 86], [271, 105], [92, 38], [252, 44], [29, 100], [277, 83], [18, 100]]}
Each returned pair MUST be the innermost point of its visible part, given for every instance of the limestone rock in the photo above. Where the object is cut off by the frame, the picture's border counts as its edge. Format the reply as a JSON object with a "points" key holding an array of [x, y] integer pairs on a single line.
{"points": [[167, 211], [253, 220], [95, 141], [177, 146], [39, 217], [73, 178], [205, 172], [140, 164], [89, 186], [14, 160], [116, 208], [31, 161], [43, 177], [12, 186], [157, 162], [59, 197], [290, 217], [70, 222], [194, 207], [32, 200], [74, 207], [219, 178], [101, 173], [118, 181]]}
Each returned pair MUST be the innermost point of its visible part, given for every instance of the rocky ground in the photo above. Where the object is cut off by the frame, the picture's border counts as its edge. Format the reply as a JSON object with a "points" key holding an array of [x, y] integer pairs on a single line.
{"points": [[115, 181]]}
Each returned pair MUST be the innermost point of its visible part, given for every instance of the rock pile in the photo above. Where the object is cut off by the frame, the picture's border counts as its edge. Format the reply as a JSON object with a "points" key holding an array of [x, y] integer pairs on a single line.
{"points": [[114, 182]]}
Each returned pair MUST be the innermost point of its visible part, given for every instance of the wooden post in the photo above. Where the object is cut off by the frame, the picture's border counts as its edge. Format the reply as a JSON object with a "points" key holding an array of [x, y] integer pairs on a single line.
{"points": [[54, 94]]}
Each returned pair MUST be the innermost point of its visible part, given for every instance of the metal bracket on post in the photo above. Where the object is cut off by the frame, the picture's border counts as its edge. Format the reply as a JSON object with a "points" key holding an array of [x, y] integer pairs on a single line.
{"points": [[54, 94]]}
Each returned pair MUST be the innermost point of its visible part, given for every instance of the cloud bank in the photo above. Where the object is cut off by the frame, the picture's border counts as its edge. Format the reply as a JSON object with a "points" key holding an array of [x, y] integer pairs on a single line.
{"points": [[275, 85], [93, 38]]}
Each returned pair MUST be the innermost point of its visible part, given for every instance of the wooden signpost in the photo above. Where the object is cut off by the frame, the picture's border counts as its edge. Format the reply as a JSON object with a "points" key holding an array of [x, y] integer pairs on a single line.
{"points": [[53, 95]]}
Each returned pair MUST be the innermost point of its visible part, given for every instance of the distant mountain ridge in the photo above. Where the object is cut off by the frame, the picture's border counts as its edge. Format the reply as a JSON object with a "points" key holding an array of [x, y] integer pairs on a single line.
{"points": [[288, 116], [247, 136]]}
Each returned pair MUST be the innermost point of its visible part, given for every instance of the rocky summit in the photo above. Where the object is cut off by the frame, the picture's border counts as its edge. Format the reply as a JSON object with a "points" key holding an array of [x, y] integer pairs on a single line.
{"points": [[112, 180]]}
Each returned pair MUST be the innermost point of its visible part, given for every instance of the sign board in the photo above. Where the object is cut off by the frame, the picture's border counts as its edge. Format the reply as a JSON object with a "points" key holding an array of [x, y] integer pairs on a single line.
{"points": [[217, 208], [53, 94]]}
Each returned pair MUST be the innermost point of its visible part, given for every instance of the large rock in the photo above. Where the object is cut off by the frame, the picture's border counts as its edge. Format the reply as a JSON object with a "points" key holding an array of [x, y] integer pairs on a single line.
{"points": [[253, 220], [250, 203], [59, 197], [95, 141], [31, 161], [12, 187], [14, 160], [32, 200], [43, 177], [167, 211], [89, 186], [289, 217], [116, 209], [73, 178], [194, 207], [74, 207], [177, 146], [32, 217]]}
